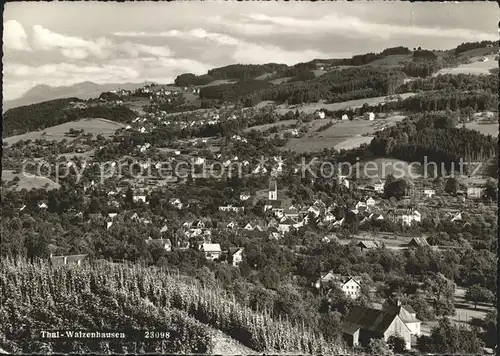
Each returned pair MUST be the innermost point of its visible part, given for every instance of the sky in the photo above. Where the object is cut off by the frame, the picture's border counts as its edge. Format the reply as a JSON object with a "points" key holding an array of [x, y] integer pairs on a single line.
{"points": [[63, 43]]}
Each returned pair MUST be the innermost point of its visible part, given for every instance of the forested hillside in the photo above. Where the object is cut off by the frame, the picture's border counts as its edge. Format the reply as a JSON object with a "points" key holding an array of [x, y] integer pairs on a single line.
{"points": [[34, 117], [435, 137]]}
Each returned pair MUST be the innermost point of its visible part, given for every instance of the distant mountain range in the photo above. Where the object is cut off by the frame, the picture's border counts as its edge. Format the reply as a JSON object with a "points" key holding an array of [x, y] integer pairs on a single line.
{"points": [[83, 90]]}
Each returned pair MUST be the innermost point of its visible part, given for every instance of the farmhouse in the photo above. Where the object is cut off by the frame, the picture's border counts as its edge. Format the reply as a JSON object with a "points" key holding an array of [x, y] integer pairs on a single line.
{"points": [[407, 314], [363, 324], [349, 285], [418, 241], [212, 251]]}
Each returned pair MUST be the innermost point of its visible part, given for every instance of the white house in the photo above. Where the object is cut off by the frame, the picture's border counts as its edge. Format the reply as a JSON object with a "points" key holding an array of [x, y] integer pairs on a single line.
{"points": [[212, 251], [429, 193], [109, 224], [42, 206], [474, 192], [407, 217], [369, 116], [244, 196], [378, 186], [237, 255], [321, 115], [342, 180], [248, 227], [141, 198], [329, 217], [199, 160], [351, 286], [370, 202], [314, 210], [345, 117]]}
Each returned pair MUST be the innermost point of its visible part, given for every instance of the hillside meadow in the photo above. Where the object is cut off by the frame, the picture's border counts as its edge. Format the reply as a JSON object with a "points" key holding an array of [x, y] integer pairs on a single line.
{"points": [[94, 126]]}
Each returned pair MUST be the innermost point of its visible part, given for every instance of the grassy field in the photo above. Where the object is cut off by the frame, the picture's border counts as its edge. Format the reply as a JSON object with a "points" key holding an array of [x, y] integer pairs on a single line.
{"points": [[319, 73], [95, 126], [353, 142], [484, 128], [392, 60], [29, 182], [280, 80], [306, 144], [476, 67], [341, 135], [268, 126], [312, 107]]}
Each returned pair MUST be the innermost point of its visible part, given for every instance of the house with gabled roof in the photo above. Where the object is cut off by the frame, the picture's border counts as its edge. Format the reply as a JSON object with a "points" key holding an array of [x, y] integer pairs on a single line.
{"points": [[363, 324], [367, 244], [248, 227], [286, 225], [407, 314], [350, 285], [419, 241], [236, 255], [212, 251]]}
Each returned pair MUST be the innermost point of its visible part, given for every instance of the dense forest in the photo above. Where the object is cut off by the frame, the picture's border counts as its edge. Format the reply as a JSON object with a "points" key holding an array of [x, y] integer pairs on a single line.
{"points": [[452, 82], [245, 71], [189, 79]]}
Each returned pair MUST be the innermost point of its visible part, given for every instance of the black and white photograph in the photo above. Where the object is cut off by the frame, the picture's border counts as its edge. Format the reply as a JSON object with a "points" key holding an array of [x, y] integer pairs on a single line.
{"points": [[249, 178]]}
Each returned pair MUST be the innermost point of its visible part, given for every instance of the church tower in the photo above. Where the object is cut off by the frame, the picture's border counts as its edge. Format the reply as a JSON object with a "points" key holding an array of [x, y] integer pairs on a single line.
{"points": [[273, 189]]}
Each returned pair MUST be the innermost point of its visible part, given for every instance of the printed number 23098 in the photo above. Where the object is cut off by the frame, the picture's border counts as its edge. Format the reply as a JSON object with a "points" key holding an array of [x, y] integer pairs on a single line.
{"points": [[156, 334]]}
